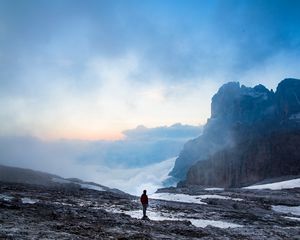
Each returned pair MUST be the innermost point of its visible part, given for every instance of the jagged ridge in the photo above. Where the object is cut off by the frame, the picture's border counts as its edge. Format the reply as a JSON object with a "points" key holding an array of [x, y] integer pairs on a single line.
{"points": [[243, 120]]}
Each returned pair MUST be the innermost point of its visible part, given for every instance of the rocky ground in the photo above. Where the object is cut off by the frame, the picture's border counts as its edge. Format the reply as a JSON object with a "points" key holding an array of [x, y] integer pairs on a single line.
{"points": [[64, 212]]}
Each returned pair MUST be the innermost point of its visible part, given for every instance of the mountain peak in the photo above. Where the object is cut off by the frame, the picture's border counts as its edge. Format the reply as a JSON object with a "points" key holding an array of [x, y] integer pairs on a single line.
{"points": [[240, 113]]}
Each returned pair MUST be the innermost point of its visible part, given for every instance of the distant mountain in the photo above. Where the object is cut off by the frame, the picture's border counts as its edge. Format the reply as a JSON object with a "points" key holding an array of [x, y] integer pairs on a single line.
{"points": [[21, 175], [28, 176], [253, 134]]}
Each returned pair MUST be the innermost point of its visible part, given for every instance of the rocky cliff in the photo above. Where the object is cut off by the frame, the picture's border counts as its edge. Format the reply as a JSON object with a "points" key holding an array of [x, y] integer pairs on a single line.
{"points": [[252, 134], [249, 162]]}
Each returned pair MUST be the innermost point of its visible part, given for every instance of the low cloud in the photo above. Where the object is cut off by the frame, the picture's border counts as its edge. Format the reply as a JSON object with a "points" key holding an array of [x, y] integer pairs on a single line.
{"points": [[135, 180], [175, 131], [136, 162], [89, 69]]}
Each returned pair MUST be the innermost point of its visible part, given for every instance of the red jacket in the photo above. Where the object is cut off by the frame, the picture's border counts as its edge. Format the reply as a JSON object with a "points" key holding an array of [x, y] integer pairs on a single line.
{"points": [[144, 199]]}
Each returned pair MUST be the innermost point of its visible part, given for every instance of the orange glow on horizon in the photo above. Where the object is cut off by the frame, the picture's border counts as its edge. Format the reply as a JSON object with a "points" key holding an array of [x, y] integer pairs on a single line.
{"points": [[94, 134]]}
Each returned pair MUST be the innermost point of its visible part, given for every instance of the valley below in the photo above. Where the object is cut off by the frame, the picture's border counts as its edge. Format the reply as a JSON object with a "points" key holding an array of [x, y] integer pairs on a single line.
{"points": [[65, 211]]}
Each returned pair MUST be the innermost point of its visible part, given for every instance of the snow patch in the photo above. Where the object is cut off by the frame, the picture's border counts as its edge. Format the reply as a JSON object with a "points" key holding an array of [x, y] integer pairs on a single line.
{"points": [[278, 185], [293, 218], [156, 215], [60, 180], [62, 203], [92, 187], [185, 198], [153, 215], [214, 189], [219, 224], [287, 209], [26, 200], [6, 197], [82, 185]]}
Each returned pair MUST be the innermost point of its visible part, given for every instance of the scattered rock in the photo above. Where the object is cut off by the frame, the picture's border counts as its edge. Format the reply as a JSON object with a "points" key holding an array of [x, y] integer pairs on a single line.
{"points": [[62, 213]]}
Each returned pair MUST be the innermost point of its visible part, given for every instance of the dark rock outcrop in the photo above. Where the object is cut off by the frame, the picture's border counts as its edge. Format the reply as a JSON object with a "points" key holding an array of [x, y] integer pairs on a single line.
{"points": [[288, 98], [250, 135], [22, 175], [249, 162]]}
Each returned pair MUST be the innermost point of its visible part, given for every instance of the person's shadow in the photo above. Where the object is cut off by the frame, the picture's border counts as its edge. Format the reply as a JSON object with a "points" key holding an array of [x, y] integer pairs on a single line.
{"points": [[145, 218]]}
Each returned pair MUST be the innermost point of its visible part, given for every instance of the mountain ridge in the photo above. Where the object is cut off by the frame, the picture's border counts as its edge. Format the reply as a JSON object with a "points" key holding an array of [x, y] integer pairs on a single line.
{"points": [[239, 115], [11, 174]]}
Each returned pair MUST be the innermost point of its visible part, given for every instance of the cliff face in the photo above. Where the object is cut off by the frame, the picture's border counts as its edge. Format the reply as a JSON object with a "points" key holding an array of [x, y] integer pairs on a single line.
{"points": [[288, 98], [247, 163], [245, 127]]}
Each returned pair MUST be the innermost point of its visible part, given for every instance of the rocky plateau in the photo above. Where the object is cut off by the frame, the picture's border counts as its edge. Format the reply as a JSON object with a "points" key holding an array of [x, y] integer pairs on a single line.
{"points": [[70, 212]]}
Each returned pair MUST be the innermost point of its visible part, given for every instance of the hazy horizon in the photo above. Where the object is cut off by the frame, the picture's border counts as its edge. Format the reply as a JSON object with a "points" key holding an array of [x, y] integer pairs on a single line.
{"points": [[143, 158]]}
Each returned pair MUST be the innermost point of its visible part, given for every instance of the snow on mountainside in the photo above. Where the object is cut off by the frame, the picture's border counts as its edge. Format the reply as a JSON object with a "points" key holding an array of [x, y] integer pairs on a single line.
{"points": [[294, 183], [92, 186]]}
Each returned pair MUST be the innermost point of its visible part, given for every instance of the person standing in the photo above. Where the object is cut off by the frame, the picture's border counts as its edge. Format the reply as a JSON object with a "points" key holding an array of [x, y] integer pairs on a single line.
{"points": [[144, 201]]}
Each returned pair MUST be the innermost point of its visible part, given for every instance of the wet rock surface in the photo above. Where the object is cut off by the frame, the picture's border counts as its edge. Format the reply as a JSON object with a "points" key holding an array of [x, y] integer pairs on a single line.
{"points": [[37, 212]]}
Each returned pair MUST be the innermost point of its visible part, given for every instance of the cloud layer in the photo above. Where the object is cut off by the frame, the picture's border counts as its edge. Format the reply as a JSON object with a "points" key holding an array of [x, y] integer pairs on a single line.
{"points": [[74, 69], [136, 162]]}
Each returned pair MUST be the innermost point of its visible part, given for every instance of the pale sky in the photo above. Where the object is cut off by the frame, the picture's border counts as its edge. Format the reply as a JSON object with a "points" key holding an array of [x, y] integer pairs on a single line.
{"points": [[86, 69]]}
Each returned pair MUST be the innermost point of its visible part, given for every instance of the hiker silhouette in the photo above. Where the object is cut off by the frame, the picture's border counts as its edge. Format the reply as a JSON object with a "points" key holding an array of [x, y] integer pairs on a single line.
{"points": [[144, 201]]}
